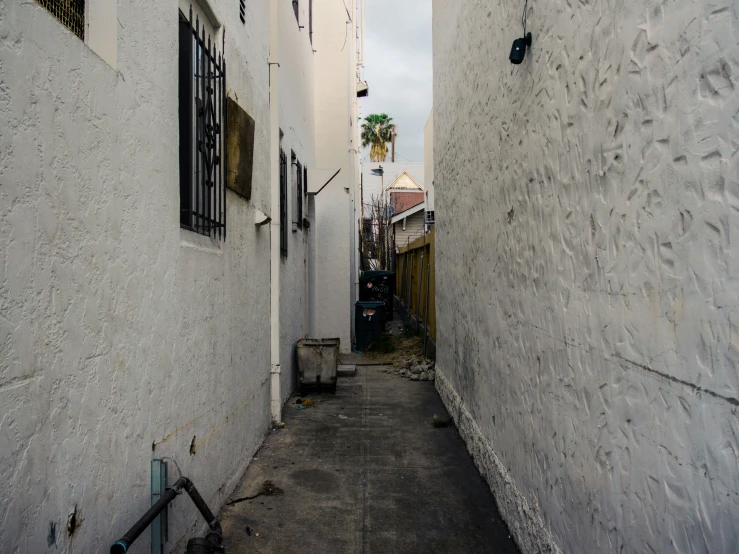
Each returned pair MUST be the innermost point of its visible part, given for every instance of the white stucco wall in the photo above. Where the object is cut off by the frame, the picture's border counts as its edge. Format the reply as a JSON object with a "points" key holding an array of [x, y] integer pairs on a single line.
{"points": [[119, 330], [587, 268], [296, 120], [335, 116]]}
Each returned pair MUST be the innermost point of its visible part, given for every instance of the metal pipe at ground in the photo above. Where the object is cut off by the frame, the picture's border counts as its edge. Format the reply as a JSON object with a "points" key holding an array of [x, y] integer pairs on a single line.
{"points": [[215, 536], [400, 276], [420, 288], [409, 291]]}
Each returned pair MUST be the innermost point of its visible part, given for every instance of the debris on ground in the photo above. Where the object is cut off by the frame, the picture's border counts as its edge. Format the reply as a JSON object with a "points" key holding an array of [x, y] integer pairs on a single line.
{"points": [[442, 421], [415, 368], [268, 489], [303, 403], [403, 347], [384, 344]]}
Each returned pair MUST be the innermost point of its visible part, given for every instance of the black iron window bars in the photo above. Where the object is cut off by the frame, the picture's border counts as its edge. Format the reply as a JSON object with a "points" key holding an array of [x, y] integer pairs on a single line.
{"points": [[283, 203], [202, 85], [299, 197], [70, 12]]}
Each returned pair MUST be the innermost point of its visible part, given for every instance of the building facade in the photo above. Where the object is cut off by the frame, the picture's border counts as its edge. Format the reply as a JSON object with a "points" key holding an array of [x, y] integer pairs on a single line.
{"points": [[154, 281], [373, 184], [408, 225], [588, 282]]}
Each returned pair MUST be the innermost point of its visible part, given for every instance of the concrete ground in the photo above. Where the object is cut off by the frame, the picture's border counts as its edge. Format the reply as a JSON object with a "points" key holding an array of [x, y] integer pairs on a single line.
{"points": [[365, 471]]}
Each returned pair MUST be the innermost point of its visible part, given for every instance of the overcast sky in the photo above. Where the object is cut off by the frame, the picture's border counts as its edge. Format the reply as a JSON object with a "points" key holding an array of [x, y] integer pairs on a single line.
{"points": [[398, 70]]}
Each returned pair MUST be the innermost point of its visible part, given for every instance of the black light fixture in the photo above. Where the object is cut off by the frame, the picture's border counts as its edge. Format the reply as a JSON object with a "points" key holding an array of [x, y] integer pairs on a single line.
{"points": [[518, 50]]}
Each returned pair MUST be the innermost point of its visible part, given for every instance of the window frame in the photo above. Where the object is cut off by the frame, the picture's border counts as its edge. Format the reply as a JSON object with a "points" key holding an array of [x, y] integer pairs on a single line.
{"points": [[296, 9], [56, 9], [202, 118], [283, 203], [299, 196], [310, 20]]}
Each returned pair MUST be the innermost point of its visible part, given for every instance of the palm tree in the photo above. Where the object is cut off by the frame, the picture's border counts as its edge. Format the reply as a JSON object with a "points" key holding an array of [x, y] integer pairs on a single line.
{"points": [[377, 131]]}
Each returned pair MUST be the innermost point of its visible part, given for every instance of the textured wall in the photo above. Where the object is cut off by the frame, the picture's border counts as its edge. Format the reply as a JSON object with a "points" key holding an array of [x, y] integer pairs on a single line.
{"points": [[335, 113], [118, 330], [588, 277], [296, 101]]}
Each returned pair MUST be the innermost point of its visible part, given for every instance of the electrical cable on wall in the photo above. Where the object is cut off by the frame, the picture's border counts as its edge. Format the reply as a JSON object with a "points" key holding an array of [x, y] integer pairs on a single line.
{"points": [[523, 16], [518, 50]]}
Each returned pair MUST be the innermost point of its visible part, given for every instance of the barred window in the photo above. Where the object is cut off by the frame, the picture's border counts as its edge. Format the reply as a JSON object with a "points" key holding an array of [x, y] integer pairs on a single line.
{"points": [[299, 196], [283, 203], [202, 86], [242, 11], [70, 12]]}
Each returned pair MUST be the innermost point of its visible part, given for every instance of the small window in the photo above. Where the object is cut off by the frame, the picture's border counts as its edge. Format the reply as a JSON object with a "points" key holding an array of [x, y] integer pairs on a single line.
{"points": [[283, 204], [296, 9], [293, 180], [202, 86], [299, 196], [70, 12], [310, 20], [242, 11], [367, 228]]}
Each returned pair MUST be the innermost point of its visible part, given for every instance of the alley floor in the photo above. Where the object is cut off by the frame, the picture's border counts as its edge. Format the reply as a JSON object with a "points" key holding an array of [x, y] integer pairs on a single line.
{"points": [[364, 471]]}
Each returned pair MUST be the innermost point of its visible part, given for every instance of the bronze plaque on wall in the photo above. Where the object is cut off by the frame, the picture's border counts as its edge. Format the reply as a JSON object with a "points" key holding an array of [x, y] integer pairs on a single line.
{"points": [[239, 149]]}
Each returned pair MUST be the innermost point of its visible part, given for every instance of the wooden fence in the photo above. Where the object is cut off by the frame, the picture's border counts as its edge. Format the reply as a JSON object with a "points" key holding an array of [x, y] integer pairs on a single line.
{"points": [[414, 274]]}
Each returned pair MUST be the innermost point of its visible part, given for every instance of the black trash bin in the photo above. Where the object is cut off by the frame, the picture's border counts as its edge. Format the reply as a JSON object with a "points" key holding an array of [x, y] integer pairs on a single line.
{"points": [[369, 322], [378, 286]]}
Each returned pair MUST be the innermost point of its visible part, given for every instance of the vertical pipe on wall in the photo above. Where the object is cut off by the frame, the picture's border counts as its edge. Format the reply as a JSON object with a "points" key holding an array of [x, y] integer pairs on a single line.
{"points": [[274, 153], [355, 146], [361, 62], [399, 278], [409, 290], [426, 313], [420, 288]]}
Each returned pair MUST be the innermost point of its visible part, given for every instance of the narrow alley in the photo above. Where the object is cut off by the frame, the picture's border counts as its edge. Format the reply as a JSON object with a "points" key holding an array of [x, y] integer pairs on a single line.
{"points": [[369, 277], [364, 471]]}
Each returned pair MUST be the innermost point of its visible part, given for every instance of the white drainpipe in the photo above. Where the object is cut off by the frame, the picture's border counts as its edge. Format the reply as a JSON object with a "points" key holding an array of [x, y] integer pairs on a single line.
{"points": [[274, 73]]}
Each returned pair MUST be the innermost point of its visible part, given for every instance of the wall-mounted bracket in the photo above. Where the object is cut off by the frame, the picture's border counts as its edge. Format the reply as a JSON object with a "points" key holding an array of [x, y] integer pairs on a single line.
{"points": [[261, 218], [159, 527], [319, 178]]}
